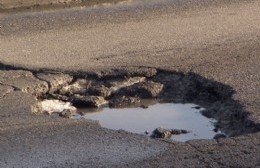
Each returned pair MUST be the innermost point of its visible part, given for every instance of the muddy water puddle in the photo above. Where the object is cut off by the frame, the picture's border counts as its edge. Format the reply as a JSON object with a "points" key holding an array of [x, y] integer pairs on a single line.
{"points": [[67, 95], [145, 119]]}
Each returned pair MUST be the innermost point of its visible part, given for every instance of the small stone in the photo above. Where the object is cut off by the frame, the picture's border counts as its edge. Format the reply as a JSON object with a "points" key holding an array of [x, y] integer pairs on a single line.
{"points": [[197, 107], [123, 101], [56, 81], [88, 101], [218, 136], [215, 129], [78, 87], [161, 133], [207, 113], [99, 91], [81, 113], [66, 113], [60, 97], [52, 106], [144, 106], [147, 89], [179, 131]]}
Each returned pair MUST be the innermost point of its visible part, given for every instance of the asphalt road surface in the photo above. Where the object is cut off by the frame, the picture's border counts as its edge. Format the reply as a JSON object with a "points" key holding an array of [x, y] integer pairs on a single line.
{"points": [[219, 40]]}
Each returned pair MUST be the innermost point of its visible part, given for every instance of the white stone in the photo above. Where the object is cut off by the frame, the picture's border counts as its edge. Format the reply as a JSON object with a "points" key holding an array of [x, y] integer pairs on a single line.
{"points": [[52, 106]]}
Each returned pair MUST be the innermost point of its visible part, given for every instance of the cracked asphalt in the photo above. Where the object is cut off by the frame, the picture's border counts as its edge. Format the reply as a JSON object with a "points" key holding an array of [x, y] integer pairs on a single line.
{"points": [[217, 40]]}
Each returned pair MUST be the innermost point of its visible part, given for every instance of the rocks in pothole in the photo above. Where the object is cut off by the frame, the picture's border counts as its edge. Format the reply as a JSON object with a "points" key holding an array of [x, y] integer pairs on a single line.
{"points": [[24, 81], [66, 113], [116, 85], [167, 133], [147, 89], [143, 106], [100, 90], [218, 136], [88, 101], [85, 87], [161, 133], [123, 101], [53, 106], [60, 97], [80, 86], [56, 81]]}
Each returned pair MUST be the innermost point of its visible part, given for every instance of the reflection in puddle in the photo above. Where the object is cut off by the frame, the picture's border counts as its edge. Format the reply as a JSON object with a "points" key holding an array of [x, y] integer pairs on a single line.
{"points": [[166, 115]]}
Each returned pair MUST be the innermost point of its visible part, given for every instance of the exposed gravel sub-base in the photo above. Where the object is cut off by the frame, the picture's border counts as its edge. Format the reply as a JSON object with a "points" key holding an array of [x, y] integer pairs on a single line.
{"points": [[226, 52]]}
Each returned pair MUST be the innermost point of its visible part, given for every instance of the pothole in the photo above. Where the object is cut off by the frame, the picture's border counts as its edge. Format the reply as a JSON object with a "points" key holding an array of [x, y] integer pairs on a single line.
{"points": [[180, 100], [180, 122]]}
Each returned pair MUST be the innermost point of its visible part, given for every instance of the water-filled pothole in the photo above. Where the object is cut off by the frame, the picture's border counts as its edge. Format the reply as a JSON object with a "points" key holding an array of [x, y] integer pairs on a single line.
{"points": [[164, 116], [121, 89]]}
